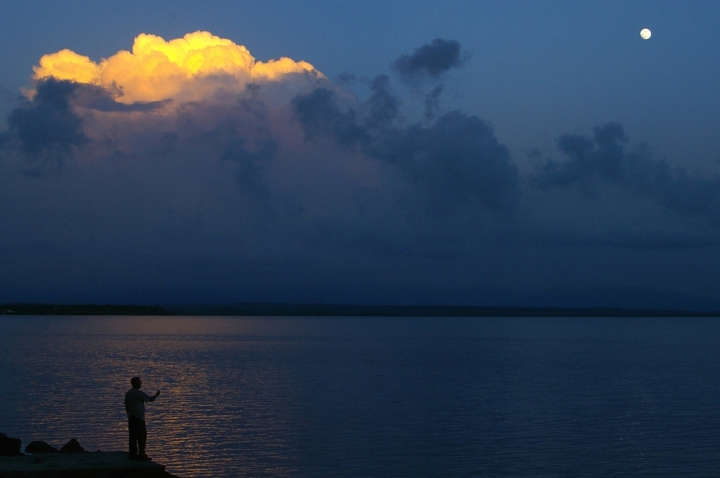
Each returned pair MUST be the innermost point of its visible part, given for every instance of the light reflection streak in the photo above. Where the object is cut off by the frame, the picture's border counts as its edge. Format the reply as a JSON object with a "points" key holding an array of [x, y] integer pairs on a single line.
{"points": [[376, 397], [73, 374]]}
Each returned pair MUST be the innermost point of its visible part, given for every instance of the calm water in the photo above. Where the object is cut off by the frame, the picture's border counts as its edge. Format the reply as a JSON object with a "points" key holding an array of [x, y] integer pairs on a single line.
{"points": [[376, 396]]}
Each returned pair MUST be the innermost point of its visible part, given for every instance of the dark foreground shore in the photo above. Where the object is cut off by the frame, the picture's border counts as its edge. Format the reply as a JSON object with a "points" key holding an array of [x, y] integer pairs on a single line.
{"points": [[84, 465], [43, 460]]}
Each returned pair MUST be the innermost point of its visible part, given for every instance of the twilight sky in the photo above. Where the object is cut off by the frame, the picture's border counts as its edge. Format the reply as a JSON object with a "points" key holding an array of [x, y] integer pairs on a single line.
{"points": [[485, 153]]}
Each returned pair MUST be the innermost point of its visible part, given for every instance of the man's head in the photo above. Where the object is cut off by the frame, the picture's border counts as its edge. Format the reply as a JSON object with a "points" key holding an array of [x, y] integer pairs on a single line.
{"points": [[136, 382]]}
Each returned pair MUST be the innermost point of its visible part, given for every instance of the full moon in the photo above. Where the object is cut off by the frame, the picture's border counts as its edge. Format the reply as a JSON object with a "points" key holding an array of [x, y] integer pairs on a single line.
{"points": [[645, 33]]}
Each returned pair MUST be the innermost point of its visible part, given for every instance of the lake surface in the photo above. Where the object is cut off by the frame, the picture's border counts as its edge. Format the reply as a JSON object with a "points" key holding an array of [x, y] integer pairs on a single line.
{"points": [[314, 397]]}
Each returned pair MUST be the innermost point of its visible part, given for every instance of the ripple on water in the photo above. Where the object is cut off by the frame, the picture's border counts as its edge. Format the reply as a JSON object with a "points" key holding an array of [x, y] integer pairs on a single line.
{"points": [[366, 397]]}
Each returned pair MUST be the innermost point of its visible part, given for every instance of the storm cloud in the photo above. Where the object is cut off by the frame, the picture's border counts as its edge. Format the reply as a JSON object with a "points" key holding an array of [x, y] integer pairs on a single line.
{"points": [[258, 184]]}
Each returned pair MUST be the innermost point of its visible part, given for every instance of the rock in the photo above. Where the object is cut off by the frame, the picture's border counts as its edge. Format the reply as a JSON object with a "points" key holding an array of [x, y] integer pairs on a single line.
{"points": [[40, 447], [72, 447], [85, 465], [9, 446]]}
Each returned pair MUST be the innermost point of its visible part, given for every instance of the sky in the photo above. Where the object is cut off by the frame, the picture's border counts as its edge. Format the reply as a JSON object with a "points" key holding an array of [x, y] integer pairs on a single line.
{"points": [[376, 152]]}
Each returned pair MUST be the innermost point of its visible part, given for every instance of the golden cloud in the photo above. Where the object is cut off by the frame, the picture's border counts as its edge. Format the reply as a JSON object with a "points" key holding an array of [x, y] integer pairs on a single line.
{"points": [[183, 68]]}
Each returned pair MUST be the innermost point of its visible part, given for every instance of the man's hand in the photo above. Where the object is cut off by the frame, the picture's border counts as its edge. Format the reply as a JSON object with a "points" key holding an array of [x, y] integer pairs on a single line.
{"points": [[157, 394]]}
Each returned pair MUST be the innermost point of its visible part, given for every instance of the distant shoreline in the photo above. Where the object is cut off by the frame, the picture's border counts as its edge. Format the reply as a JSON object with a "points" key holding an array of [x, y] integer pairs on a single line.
{"points": [[341, 310]]}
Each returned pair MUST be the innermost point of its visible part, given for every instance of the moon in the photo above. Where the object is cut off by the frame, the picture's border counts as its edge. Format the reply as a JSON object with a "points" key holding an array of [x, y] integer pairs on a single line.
{"points": [[645, 33]]}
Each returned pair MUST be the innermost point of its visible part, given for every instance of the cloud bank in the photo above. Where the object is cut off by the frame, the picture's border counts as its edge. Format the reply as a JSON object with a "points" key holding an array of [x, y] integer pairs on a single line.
{"points": [[186, 170]]}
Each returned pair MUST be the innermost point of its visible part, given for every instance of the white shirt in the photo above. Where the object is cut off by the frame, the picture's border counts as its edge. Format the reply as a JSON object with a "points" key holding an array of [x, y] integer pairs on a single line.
{"points": [[135, 402]]}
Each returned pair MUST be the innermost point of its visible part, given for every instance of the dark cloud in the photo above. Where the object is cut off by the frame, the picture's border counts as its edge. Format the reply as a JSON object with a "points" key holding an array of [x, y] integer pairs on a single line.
{"points": [[384, 107], [244, 139], [430, 60], [431, 102], [45, 129], [250, 161], [457, 158], [306, 193], [97, 98], [320, 114], [604, 159], [427, 64]]}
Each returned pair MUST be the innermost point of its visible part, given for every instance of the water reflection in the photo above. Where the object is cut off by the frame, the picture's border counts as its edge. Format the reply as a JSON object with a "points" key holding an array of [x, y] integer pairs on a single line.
{"points": [[221, 397], [350, 397]]}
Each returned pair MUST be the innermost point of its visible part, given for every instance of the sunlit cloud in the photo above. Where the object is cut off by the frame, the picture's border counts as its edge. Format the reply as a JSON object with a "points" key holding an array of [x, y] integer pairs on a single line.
{"points": [[185, 68]]}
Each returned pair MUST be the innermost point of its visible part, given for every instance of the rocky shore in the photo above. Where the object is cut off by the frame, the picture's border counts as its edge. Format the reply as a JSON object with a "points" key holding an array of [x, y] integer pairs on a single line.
{"points": [[71, 460]]}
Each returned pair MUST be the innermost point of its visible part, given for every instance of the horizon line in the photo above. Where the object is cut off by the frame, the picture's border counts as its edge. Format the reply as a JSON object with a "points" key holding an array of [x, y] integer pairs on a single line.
{"points": [[268, 309]]}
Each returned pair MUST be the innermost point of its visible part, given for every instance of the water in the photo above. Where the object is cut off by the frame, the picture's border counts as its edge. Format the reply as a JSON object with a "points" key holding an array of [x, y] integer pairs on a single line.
{"points": [[313, 397]]}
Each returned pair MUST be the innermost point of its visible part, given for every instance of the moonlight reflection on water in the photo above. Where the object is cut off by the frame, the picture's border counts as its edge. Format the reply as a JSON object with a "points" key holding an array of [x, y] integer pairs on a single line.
{"points": [[375, 396]]}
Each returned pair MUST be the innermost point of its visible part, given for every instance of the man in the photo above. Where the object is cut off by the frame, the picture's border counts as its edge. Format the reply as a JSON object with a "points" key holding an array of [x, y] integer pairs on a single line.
{"points": [[135, 407]]}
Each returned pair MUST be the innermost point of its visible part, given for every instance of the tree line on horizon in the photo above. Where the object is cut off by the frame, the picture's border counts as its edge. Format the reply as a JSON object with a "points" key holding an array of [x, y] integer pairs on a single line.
{"points": [[329, 310]]}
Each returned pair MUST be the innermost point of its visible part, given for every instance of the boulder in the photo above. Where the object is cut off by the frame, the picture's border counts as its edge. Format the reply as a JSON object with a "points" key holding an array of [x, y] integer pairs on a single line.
{"points": [[72, 447], [40, 447], [9, 446]]}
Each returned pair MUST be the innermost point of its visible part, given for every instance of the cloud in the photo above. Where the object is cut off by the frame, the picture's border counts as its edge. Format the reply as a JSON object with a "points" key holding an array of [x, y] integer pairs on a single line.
{"points": [[319, 113], [604, 159], [431, 102], [430, 60], [250, 161], [198, 175], [457, 159], [428, 64], [98, 99], [384, 107], [45, 130], [184, 69]]}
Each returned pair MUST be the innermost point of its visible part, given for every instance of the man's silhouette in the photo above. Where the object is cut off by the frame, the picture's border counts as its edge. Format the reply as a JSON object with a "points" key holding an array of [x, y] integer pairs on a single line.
{"points": [[135, 407]]}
